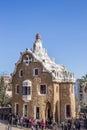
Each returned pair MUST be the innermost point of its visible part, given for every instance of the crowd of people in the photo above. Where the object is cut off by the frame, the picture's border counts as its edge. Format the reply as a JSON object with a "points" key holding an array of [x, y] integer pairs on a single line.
{"points": [[30, 123], [71, 125], [37, 124]]}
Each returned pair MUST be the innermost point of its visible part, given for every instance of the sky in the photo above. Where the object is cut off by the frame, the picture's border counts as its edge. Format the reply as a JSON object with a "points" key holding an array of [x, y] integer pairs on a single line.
{"points": [[62, 25]]}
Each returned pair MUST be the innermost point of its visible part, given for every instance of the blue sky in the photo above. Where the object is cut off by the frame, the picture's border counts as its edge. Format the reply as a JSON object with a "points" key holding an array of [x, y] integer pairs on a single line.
{"points": [[61, 23]]}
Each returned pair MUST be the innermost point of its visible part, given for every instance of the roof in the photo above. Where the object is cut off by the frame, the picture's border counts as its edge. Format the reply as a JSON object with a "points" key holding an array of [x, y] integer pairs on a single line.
{"points": [[59, 72]]}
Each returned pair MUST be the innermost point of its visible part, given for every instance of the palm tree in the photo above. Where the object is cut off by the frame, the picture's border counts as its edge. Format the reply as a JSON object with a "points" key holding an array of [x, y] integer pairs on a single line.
{"points": [[84, 82]]}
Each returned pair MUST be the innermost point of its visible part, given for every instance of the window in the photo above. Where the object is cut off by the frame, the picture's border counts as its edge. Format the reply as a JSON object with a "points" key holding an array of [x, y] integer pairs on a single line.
{"points": [[43, 89], [24, 110], [17, 89], [27, 60], [36, 72], [68, 111], [20, 73], [26, 90], [37, 113]]}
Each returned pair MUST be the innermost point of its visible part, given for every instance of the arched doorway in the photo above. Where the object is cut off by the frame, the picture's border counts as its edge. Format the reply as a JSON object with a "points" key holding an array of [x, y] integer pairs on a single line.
{"points": [[48, 111]]}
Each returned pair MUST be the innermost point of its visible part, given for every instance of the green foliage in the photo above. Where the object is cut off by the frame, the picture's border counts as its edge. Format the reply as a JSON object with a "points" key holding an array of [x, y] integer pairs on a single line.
{"points": [[84, 110], [83, 82], [4, 100]]}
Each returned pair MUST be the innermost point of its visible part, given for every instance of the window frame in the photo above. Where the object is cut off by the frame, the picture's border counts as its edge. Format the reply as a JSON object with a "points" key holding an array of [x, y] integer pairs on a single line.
{"points": [[42, 90], [20, 73], [24, 110], [34, 74], [66, 111], [27, 90], [17, 89], [35, 113]]}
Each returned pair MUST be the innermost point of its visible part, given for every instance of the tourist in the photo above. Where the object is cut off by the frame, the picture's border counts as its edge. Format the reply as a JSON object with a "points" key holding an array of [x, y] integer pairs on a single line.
{"points": [[9, 127], [62, 125], [77, 124], [69, 124], [37, 127], [65, 127], [42, 125], [21, 121]]}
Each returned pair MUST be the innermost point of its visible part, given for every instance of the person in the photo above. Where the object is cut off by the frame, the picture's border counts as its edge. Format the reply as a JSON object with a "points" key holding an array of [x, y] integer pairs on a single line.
{"points": [[31, 123], [54, 125], [9, 127], [62, 125], [69, 124], [73, 125], [16, 120], [42, 125], [32, 127], [10, 118], [21, 121], [77, 124], [37, 127], [65, 126]]}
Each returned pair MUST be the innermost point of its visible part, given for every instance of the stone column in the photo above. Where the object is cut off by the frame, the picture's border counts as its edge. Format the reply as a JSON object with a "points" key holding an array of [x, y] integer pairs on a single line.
{"points": [[58, 105], [53, 111]]}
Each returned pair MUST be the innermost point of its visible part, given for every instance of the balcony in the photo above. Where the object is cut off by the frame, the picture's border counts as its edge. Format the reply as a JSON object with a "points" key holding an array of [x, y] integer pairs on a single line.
{"points": [[26, 98]]}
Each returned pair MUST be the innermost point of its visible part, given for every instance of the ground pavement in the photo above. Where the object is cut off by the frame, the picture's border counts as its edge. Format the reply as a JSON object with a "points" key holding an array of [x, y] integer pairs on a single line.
{"points": [[3, 126]]}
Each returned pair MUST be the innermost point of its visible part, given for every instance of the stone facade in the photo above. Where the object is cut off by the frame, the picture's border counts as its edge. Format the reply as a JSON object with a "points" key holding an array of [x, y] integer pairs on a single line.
{"points": [[41, 89]]}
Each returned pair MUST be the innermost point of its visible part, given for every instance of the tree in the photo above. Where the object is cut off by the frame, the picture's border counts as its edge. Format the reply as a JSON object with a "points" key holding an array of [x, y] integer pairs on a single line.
{"points": [[4, 100], [83, 82]]}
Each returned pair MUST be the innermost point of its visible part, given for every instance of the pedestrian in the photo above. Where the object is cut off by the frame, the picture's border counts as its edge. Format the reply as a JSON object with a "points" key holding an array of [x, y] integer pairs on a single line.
{"points": [[69, 124], [37, 127], [62, 125], [65, 127], [9, 127], [77, 124], [32, 127], [21, 121], [42, 125]]}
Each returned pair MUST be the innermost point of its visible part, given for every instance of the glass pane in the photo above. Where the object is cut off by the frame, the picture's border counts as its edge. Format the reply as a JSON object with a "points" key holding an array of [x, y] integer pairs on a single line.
{"points": [[24, 90]]}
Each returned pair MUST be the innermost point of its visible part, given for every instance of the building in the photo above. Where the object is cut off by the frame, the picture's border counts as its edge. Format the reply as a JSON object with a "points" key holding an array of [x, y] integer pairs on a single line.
{"points": [[78, 97], [42, 89], [7, 80], [81, 94]]}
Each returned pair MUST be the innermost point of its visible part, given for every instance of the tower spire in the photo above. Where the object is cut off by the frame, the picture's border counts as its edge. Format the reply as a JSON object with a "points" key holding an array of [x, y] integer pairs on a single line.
{"points": [[38, 36], [38, 43]]}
